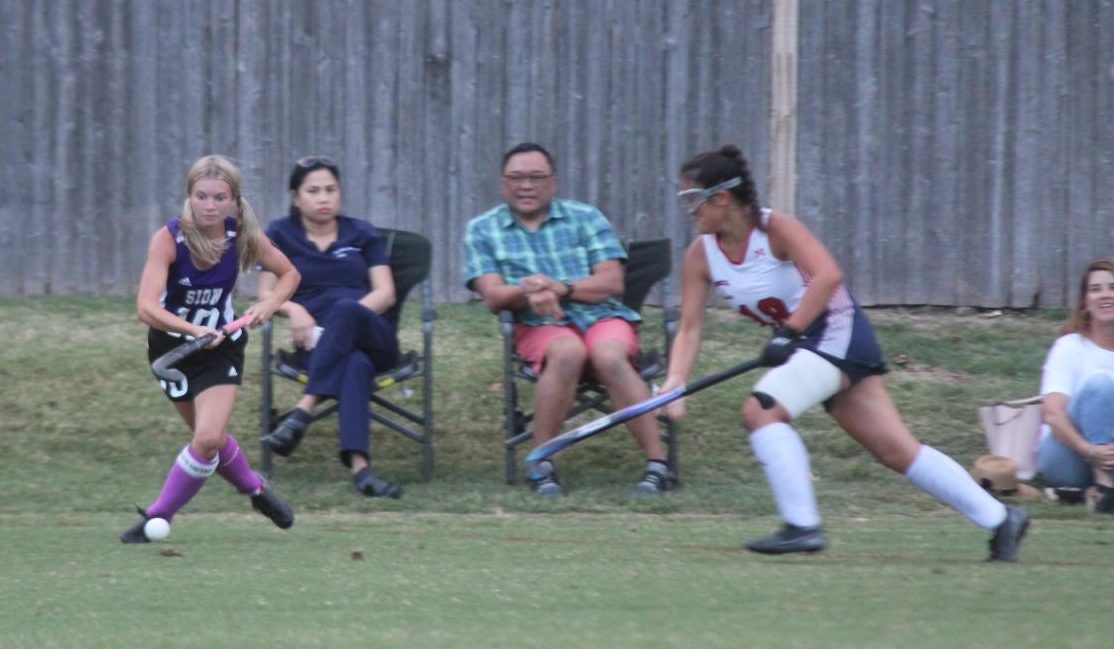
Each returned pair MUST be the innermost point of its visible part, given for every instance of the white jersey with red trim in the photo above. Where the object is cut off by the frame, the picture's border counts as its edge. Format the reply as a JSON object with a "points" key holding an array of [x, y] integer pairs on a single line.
{"points": [[768, 290]]}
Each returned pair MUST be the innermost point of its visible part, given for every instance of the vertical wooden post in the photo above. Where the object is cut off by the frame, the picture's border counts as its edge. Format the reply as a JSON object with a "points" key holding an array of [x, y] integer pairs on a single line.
{"points": [[783, 107]]}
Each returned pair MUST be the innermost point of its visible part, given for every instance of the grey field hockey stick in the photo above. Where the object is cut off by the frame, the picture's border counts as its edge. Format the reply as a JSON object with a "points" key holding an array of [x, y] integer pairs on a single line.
{"points": [[565, 440], [163, 365]]}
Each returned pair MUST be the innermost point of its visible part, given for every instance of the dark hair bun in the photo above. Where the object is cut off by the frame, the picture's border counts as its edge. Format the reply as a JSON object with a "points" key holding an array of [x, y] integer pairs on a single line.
{"points": [[731, 151]]}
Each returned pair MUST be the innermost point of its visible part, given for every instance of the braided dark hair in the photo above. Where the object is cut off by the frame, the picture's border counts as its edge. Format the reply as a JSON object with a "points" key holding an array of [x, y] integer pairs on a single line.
{"points": [[714, 167]]}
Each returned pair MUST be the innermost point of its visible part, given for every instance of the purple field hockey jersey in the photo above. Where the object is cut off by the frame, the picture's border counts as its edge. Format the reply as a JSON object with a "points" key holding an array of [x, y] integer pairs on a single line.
{"points": [[202, 297]]}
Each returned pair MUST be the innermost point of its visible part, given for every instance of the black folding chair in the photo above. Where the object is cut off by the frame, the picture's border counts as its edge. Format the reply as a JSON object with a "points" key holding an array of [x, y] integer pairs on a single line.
{"points": [[648, 263], [410, 257]]}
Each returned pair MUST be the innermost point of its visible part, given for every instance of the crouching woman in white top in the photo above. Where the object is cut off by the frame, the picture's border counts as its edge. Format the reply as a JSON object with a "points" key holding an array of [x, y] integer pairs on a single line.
{"points": [[1077, 386]]}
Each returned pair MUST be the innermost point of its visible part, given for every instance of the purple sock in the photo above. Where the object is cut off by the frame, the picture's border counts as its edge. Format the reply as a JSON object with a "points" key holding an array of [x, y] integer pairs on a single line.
{"points": [[235, 469], [185, 479]]}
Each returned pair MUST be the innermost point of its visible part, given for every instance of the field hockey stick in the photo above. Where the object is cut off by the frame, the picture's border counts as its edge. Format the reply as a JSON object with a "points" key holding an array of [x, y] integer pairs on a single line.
{"points": [[551, 447], [162, 365]]}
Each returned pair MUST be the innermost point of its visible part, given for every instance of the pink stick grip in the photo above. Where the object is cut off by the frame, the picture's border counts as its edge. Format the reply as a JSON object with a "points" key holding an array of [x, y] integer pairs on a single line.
{"points": [[237, 324]]}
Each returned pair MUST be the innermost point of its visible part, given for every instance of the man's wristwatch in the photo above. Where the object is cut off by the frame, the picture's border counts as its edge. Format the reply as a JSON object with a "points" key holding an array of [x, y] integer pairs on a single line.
{"points": [[568, 289]]}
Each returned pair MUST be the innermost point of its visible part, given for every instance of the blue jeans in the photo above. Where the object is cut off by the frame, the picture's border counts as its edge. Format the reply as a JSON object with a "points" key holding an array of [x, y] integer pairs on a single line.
{"points": [[1092, 412]]}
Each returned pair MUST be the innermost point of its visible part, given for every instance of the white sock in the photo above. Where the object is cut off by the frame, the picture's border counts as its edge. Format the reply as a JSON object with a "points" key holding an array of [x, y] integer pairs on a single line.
{"points": [[942, 477], [785, 460]]}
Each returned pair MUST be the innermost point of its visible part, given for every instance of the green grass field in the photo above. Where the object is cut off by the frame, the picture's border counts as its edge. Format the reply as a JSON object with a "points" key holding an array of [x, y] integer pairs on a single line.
{"points": [[468, 561]]}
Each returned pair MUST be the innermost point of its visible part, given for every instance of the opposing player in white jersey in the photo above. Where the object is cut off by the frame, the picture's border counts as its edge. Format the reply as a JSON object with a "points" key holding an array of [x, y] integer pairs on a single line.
{"points": [[772, 269]]}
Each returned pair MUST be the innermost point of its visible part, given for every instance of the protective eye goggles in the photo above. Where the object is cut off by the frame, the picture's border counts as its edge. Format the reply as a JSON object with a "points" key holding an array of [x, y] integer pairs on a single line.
{"points": [[690, 200]]}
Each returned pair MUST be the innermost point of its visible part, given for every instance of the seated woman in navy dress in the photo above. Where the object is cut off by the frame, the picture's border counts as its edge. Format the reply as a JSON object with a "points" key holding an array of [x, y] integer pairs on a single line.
{"points": [[336, 319]]}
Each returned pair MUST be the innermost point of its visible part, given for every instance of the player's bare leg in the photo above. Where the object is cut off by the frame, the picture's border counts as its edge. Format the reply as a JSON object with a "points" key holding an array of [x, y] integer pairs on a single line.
{"points": [[869, 415]]}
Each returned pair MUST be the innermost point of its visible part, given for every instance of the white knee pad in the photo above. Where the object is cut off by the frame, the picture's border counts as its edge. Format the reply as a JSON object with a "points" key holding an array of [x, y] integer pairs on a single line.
{"points": [[805, 380]]}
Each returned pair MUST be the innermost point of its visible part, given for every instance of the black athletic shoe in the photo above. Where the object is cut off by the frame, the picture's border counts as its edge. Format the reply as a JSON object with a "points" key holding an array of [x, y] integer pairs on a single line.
{"points": [[547, 486], [373, 486], [542, 476], [268, 503], [655, 483], [1007, 537], [790, 538], [135, 533], [1105, 503], [286, 437]]}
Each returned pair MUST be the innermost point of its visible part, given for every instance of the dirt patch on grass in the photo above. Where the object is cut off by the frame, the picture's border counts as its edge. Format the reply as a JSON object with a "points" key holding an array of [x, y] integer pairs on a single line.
{"points": [[946, 318], [925, 374]]}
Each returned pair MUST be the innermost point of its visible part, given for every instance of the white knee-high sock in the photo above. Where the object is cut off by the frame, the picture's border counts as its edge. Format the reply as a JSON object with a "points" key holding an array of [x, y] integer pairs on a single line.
{"points": [[942, 477], [785, 461]]}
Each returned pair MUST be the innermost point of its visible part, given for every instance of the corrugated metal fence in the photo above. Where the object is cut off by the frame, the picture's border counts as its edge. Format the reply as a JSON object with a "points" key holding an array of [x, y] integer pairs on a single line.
{"points": [[949, 152]]}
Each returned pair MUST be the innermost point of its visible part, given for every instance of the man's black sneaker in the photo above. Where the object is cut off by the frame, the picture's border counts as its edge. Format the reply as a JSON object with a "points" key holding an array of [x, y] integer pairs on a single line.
{"points": [[547, 486], [286, 437], [1007, 537], [655, 483], [1105, 503], [268, 503], [135, 533], [790, 538], [373, 486], [543, 479]]}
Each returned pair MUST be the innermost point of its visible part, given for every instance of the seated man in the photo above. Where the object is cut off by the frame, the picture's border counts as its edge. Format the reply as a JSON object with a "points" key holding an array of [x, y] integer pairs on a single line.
{"points": [[557, 265]]}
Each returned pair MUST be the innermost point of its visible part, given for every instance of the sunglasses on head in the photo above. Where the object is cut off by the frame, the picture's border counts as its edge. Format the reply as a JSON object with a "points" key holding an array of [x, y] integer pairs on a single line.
{"points": [[311, 161]]}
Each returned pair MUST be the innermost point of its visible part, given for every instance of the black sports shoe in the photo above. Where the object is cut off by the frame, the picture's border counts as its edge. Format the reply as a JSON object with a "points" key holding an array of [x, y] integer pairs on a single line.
{"points": [[372, 486], [655, 482], [268, 503], [1007, 537], [543, 479], [1105, 503], [135, 533], [285, 438], [547, 486], [790, 538]]}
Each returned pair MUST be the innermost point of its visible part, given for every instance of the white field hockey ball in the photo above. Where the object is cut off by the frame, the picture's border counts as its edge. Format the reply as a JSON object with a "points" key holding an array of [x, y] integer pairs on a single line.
{"points": [[156, 529]]}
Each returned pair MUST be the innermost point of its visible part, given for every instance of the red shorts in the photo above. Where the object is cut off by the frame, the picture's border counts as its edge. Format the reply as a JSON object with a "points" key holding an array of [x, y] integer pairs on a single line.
{"points": [[530, 342]]}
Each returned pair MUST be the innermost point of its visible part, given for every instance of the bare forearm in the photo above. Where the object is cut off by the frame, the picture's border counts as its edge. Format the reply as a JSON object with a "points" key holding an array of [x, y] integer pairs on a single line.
{"points": [[157, 317], [682, 356], [505, 296], [1065, 431], [378, 301], [593, 290], [284, 288]]}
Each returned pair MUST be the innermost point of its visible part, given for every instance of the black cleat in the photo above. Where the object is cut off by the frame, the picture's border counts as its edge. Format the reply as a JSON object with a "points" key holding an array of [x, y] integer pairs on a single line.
{"points": [[268, 503], [135, 533], [286, 437], [655, 483], [373, 486], [790, 538], [1007, 537]]}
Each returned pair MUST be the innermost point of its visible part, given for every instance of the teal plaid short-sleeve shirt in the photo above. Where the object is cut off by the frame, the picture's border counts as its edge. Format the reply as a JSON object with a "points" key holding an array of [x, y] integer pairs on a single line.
{"points": [[573, 238]]}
